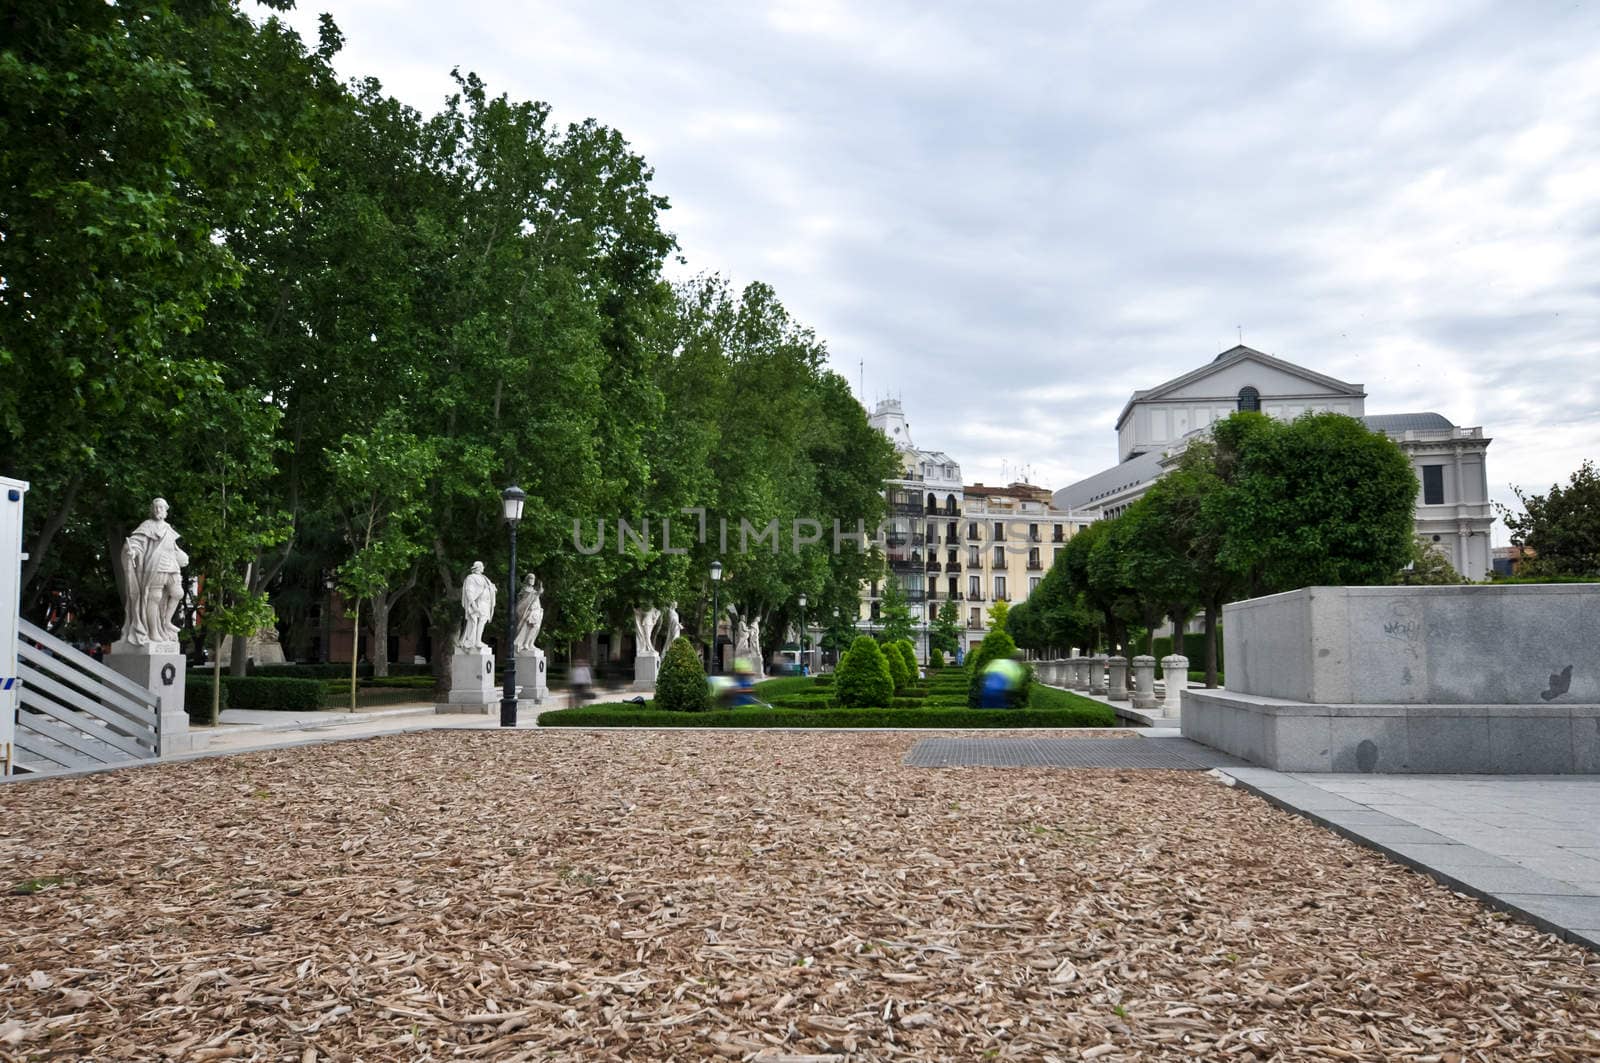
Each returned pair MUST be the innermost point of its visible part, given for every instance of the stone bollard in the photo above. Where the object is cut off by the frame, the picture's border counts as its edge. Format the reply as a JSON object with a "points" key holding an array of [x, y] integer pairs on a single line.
{"points": [[1080, 673], [1097, 676], [1117, 688], [1144, 682], [1175, 673]]}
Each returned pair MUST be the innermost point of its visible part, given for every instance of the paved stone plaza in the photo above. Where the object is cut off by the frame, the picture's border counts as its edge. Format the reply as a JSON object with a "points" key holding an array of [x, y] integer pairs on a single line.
{"points": [[650, 895]]}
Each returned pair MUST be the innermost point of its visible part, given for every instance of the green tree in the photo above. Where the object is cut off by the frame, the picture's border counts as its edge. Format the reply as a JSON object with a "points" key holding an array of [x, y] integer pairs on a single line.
{"points": [[1560, 529], [134, 137], [1321, 500], [945, 633], [998, 611], [894, 615], [681, 686], [863, 680], [899, 672]]}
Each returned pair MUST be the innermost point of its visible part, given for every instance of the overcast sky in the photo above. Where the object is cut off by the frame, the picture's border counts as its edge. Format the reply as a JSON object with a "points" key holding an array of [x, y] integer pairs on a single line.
{"points": [[1016, 214]]}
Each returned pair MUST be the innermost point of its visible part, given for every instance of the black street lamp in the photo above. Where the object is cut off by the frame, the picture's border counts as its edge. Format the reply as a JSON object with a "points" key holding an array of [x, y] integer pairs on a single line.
{"points": [[803, 668], [511, 499], [716, 615]]}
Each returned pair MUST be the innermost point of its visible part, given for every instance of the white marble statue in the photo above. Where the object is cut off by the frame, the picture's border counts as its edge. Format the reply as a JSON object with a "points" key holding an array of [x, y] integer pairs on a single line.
{"points": [[644, 627], [739, 632], [477, 606], [152, 567], [530, 614], [674, 627]]}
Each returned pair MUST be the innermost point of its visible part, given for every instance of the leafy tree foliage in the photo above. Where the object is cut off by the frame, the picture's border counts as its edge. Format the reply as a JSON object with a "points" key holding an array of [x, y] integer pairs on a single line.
{"points": [[422, 310], [996, 644], [899, 671], [863, 680], [1561, 529], [1429, 567], [944, 634], [681, 684], [894, 615]]}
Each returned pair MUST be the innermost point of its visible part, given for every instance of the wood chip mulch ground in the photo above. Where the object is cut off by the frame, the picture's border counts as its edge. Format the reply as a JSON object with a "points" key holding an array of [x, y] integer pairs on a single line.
{"points": [[645, 896]]}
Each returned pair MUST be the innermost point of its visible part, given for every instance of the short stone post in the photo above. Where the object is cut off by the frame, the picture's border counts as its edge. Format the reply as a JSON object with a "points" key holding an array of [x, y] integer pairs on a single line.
{"points": [[1175, 673], [160, 668], [1053, 672], [1097, 675], [1117, 688], [1144, 682]]}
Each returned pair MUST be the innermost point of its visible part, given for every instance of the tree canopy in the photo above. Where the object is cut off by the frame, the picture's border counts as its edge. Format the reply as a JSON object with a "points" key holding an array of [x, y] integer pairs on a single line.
{"points": [[1561, 528]]}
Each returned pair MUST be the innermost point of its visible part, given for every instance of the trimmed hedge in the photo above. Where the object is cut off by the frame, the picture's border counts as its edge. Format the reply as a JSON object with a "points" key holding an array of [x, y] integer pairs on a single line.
{"points": [[625, 715], [681, 684], [273, 693], [903, 677], [197, 697], [935, 658]]}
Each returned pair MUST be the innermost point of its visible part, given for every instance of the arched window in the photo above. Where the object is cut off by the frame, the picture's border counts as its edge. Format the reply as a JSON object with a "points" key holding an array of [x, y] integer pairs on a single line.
{"points": [[1249, 399], [949, 504]]}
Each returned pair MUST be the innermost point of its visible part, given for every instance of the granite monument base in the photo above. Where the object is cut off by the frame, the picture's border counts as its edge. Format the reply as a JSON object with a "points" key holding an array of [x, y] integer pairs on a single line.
{"points": [[532, 687], [159, 667], [472, 686], [1556, 739], [644, 672]]}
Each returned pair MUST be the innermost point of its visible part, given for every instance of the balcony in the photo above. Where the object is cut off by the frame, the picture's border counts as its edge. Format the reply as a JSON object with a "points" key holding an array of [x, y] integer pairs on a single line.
{"points": [[952, 566], [1033, 537], [1058, 537], [933, 566], [1035, 566], [975, 596]]}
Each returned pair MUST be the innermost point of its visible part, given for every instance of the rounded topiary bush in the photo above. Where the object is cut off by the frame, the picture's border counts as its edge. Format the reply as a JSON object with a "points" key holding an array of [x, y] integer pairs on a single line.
{"points": [[681, 683], [897, 666], [995, 645], [908, 654], [936, 658], [863, 680]]}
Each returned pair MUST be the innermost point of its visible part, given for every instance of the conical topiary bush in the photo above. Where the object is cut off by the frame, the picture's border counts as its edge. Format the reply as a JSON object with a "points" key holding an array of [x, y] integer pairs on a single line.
{"points": [[863, 680], [681, 683]]}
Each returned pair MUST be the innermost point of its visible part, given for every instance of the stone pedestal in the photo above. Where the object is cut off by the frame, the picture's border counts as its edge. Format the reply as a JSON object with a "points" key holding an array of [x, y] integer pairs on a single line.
{"points": [[159, 667], [1144, 682], [1175, 675], [1097, 676], [1117, 685], [645, 666], [472, 685], [533, 689]]}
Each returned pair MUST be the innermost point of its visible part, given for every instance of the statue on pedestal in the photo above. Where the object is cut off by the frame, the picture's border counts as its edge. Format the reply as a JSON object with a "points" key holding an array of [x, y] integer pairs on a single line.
{"points": [[674, 627], [530, 614], [152, 568], [477, 606], [644, 626]]}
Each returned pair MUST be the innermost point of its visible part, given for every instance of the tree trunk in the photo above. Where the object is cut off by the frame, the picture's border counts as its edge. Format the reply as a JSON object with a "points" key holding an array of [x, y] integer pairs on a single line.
{"points": [[378, 645], [47, 533], [1212, 608], [239, 646], [216, 683], [355, 653]]}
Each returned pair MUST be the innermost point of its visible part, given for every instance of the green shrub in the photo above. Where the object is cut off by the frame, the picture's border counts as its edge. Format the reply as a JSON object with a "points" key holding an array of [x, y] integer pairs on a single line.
{"points": [[935, 658], [270, 692], [823, 680], [407, 682], [864, 679], [330, 670], [908, 654], [681, 683], [197, 697], [897, 666]]}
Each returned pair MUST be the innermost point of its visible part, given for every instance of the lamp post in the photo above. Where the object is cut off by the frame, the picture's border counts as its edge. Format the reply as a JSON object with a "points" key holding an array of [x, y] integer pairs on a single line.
{"points": [[716, 613], [511, 499], [803, 667]]}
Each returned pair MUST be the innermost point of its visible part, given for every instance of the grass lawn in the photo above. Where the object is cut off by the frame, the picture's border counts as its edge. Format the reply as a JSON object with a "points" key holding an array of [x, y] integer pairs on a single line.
{"points": [[639, 896], [1046, 708]]}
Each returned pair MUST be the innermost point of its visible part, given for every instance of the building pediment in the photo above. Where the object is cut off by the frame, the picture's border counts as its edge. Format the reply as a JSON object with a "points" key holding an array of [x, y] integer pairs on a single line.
{"points": [[1239, 367]]}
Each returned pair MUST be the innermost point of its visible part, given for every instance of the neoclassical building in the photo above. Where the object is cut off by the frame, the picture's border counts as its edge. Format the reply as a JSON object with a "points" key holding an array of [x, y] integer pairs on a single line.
{"points": [[1453, 510]]}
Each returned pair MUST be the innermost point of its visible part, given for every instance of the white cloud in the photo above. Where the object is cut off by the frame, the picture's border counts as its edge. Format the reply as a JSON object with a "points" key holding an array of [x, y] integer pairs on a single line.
{"points": [[1016, 214]]}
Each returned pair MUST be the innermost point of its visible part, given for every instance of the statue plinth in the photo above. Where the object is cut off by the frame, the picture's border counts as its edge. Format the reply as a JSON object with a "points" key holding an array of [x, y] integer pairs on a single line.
{"points": [[160, 669], [472, 686], [532, 687], [645, 667]]}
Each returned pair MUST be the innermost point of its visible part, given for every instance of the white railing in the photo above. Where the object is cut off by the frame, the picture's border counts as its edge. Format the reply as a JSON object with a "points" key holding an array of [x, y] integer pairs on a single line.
{"points": [[75, 712]]}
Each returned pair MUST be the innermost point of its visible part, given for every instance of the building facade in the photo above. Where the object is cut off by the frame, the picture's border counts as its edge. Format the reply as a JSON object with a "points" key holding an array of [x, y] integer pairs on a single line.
{"points": [[1453, 511], [945, 542]]}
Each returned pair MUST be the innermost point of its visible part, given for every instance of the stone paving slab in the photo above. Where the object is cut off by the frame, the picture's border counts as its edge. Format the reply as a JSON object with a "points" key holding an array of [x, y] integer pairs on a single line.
{"points": [[1523, 844]]}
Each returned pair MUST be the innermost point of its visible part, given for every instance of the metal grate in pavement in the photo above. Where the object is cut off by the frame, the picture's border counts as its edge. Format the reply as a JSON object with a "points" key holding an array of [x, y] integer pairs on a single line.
{"points": [[1178, 754]]}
